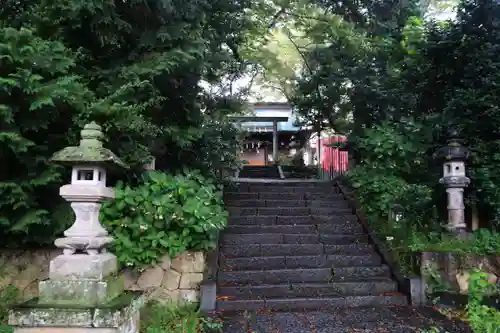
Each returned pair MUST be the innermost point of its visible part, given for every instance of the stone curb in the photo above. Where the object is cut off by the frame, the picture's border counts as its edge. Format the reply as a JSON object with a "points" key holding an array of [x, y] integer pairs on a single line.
{"points": [[208, 287], [412, 285]]}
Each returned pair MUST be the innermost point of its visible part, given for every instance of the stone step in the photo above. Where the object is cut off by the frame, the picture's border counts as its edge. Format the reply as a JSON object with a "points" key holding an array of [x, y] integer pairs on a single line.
{"points": [[266, 291], [288, 183], [273, 238], [344, 228], [310, 303], [318, 219], [288, 211], [286, 203], [240, 196], [351, 319], [285, 186], [349, 249], [251, 220], [293, 220], [337, 228], [324, 275], [270, 229], [270, 250], [238, 211], [288, 189], [265, 172], [288, 262], [282, 196]]}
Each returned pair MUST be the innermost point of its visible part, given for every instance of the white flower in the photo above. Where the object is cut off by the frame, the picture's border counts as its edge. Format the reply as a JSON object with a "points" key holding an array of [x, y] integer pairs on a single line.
{"points": [[143, 227], [389, 238]]}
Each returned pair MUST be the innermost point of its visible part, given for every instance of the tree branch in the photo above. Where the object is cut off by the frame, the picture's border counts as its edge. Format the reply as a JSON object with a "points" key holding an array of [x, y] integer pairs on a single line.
{"points": [[275, 18]]}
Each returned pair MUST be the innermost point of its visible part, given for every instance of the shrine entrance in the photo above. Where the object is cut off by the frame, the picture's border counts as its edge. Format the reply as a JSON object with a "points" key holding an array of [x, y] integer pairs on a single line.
{"points": [[256, 148]]}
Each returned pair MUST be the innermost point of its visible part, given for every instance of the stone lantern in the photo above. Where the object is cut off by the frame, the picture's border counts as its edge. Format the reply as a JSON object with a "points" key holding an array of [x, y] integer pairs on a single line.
{"points": [[396, 213], [84, 292], [86, 193], [453, 157]]}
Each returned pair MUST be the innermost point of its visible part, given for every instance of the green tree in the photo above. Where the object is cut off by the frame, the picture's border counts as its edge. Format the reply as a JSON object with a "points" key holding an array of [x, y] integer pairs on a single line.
{"points": [[135, 67]]}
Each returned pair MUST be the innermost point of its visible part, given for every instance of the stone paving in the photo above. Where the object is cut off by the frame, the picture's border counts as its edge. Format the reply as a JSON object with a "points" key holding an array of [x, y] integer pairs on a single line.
{"points": [[397, 319]]}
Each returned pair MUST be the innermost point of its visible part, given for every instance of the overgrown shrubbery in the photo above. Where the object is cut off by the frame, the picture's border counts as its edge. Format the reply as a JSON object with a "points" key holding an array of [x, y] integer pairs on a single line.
{"points": [[405, 96], [394, 169], [481, 318], [164, 318], [165, 214], [397, 84], [9, 296], [481, 242], [135, 70]]}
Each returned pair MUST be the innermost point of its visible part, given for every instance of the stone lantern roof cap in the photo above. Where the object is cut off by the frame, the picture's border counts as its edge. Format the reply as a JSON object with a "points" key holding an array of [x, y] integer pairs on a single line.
{"points": [[90, 150], [453, 151]]}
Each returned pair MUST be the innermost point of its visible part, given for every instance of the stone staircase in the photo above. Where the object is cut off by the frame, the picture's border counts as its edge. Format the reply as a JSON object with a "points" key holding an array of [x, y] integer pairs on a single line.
{"points": [[294, 246]]}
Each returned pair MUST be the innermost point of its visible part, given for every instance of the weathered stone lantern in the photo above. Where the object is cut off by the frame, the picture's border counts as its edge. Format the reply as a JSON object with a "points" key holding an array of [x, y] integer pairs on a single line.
{"points": [[84, 292], [453, 157], [86, 193]]}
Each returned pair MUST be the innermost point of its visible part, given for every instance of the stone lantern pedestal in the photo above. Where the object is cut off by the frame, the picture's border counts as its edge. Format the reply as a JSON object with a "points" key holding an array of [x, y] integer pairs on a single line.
{"points": [[84, 292]]}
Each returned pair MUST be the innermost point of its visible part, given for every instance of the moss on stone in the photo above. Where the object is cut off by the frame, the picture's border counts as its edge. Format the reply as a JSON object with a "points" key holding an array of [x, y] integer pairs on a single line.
{"points": [[90, 150], [83, 291], [112, 314], [115, 304]]}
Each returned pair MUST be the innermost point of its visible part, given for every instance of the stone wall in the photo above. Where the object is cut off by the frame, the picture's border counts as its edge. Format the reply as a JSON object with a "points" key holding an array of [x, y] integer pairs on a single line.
{"points": [[452, 271], [170, 280]]}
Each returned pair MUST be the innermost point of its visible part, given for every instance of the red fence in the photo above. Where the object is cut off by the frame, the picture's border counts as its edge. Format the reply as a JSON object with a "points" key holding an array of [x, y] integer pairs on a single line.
{"points": [[333, 161]]}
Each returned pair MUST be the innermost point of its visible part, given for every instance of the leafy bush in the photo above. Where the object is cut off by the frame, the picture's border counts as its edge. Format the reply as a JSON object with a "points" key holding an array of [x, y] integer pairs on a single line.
{"points": [[166, 214], [375, 192], [378, 192], [481, 242], [8, 296], [159, 318], [482, 319], [392, 171]]}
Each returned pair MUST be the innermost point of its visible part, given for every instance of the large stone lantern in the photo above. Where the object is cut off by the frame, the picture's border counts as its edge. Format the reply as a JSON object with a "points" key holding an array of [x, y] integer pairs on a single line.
{"points": [[84, 292], [453, 157]]}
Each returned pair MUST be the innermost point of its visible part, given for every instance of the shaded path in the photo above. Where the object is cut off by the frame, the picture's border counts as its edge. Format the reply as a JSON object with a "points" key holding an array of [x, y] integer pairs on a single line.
{"points": [[397, 319]]}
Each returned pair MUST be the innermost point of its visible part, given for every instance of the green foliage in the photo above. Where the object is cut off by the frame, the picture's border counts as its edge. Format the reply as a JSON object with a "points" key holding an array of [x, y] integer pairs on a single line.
{"points": [[482, 319], [160, 318], [135, 67], [8, 297], [390, 157], [481, 242], [165, 214], [37, 88], [6, 329], [378, 194], [396, 83]]}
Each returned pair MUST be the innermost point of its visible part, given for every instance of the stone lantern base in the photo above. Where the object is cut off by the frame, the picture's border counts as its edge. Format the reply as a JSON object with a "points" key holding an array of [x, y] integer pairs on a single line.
{"points": [[84, 294], [121, 315]]}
